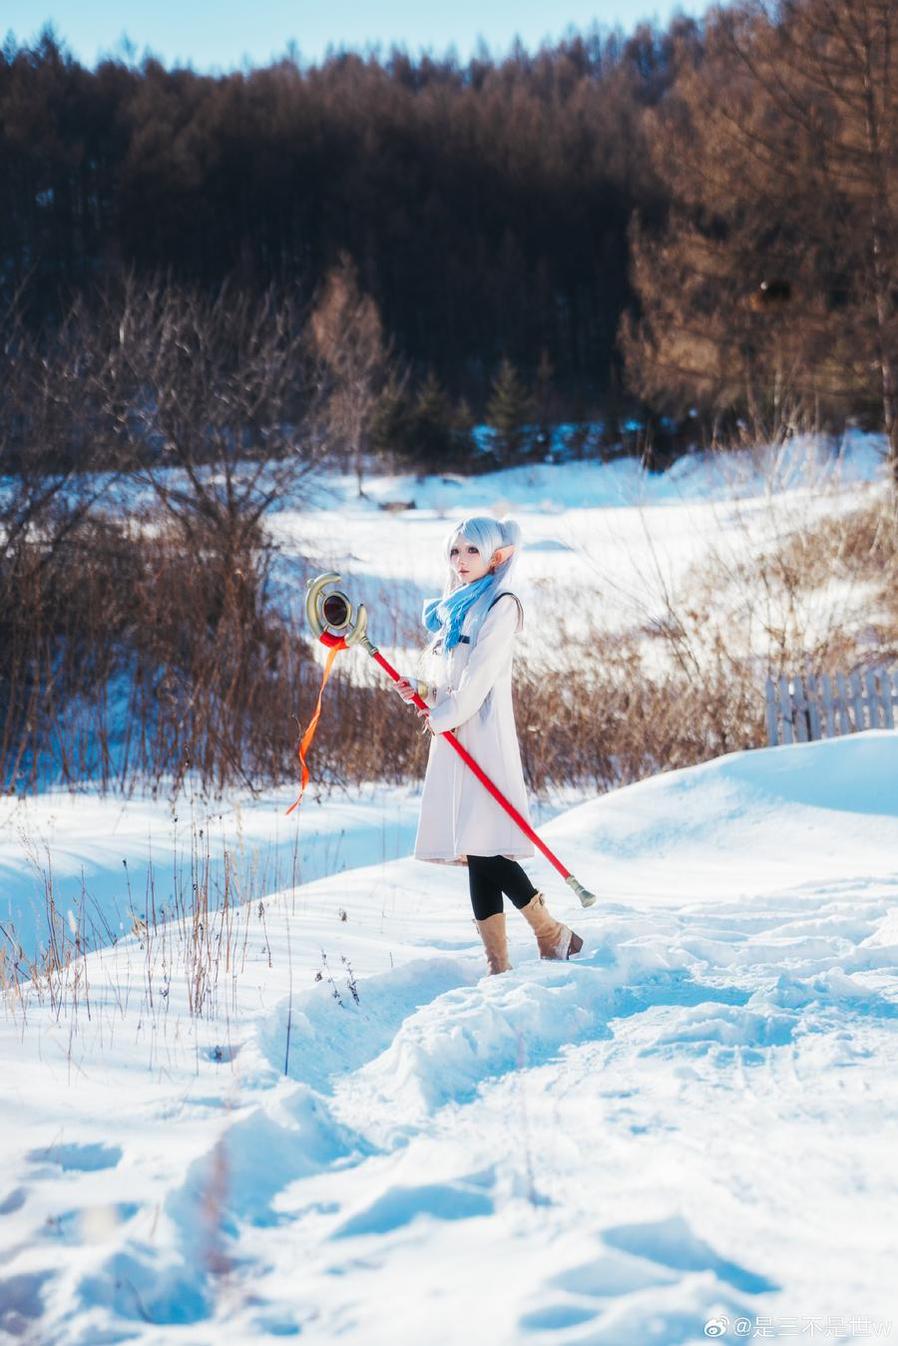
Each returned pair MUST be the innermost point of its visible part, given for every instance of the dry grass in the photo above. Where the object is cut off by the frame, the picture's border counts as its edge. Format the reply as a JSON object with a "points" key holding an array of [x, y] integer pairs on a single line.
{"points": [[861, 544], [607, 723], [192, 945], [822, 598]]}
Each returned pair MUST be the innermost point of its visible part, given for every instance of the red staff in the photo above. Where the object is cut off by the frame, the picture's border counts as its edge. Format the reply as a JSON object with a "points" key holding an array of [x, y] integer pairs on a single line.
{"points": [[332, 619]]}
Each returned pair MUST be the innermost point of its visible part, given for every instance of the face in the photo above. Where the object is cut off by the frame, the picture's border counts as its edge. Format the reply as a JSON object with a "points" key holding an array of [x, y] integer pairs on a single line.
{"points": [[466, 561]]}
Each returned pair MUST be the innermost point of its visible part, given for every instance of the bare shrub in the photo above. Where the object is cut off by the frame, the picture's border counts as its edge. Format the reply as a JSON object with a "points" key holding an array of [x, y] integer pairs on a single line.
{"points": [[604, 721], [859, 549], [137, 640]]}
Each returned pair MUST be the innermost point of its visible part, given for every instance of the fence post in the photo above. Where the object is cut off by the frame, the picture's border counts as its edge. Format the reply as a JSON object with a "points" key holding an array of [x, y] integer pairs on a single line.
{"points": [[786, 708], [800, 702], [842, 703], [814, 707], [872, 699], [857, 698], [770, 694], [828, 706], [885, 684]]}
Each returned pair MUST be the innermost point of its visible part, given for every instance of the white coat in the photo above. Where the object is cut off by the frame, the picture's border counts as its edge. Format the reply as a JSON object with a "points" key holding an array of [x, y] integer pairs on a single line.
{"points": [[458, 814]]}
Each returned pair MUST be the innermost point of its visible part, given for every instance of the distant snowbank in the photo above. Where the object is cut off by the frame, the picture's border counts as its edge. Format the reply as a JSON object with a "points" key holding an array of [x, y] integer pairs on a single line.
{"points": [[803, 463], [799, 812]]}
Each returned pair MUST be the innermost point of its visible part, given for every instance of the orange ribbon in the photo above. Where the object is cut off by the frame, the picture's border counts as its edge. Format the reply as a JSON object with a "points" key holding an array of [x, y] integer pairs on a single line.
{"points": [[313, 725]]}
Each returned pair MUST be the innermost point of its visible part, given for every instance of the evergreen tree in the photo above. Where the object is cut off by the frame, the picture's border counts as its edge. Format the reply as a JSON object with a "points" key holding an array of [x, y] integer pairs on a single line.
{"points": [[485, 205], [433, 425], [508, 413], [392, 422], [542, 399], [463, 436]]}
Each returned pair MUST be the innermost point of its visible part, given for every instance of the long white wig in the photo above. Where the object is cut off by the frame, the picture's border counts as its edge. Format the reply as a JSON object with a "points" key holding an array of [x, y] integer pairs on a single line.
{"points": [[488, 535]]}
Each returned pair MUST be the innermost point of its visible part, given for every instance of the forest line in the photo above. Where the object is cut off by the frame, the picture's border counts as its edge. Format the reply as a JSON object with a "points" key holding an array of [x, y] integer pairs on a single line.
{"points": [[698, 222]]}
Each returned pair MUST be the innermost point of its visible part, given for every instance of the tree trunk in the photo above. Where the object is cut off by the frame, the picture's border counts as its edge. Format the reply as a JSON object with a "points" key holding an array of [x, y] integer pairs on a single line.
{"points": [[879, 210]]}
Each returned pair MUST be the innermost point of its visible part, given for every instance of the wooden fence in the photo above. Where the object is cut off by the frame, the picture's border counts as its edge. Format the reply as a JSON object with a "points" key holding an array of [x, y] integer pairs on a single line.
{"points": [[803, 708]]}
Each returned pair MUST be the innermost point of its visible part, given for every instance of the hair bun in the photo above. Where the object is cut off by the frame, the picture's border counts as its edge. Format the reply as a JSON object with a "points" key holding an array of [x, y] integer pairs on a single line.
{"points": [[511, 532]]}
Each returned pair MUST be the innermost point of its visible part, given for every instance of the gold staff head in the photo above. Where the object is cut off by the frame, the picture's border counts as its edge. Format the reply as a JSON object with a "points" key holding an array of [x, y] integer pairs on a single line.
{"points": [[332, 616]]}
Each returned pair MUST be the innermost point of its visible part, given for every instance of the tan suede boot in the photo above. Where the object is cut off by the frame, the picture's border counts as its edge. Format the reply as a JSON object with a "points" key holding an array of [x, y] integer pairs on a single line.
{"points": [[495, 941], [554, 939]]}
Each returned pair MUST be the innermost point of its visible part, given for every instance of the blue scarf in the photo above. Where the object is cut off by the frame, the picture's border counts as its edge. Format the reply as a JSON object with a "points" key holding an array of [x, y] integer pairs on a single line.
{"points": [[449, 613]]}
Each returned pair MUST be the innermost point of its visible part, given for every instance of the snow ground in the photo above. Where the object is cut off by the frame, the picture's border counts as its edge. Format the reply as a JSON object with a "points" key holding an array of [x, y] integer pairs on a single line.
{"points": [[696, 1119], [107, 860], [693, 1121], [605, 543]]}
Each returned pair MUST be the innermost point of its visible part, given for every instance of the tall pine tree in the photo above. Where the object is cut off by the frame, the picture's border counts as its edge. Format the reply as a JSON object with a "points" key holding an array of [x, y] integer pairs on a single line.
{"points": [[508, 413]]}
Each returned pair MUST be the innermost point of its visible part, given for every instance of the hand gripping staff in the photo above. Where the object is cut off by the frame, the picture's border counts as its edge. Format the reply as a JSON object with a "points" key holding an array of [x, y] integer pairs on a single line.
{"points": [[334, 623]]}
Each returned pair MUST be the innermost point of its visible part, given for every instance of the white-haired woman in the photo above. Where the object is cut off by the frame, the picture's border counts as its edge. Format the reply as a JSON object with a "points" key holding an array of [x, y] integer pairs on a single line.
{"points": [[475, 623]]}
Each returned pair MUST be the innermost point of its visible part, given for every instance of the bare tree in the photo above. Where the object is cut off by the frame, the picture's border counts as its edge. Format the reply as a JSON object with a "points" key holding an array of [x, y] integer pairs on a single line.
{"points": [[202, 407], [772, 286], [348, 338], [57, 465], [224, 404]]}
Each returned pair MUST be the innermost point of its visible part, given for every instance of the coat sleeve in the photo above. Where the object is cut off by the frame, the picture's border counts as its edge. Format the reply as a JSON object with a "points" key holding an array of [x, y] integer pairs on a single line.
{"points": [[487, 658]]}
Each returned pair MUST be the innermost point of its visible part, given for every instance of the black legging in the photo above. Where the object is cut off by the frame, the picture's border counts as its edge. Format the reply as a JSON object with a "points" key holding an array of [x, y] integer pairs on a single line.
{"points": [[489, 877]]}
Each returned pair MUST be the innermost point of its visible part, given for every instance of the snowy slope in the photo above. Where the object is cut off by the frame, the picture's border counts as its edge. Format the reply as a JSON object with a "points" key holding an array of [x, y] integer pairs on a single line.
{"points": [[106, 859], [695, 1119], [605, 540]]}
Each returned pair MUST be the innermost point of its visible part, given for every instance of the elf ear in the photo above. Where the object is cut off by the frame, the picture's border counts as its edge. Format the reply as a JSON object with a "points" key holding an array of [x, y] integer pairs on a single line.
{"points": [[501, 555]]}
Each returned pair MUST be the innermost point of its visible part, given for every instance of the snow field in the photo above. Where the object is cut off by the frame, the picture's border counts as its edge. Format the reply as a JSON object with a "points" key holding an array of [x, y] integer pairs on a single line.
{"points": [[695, 1118], [607, 546]]}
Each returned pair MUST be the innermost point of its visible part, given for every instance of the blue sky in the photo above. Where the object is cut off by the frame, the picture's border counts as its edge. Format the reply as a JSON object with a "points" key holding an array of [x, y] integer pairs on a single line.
{"points": [[220, 36]]}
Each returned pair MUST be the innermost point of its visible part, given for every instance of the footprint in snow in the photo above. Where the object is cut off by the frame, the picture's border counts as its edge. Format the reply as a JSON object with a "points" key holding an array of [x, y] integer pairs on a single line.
{"points": [[76, 1158], [640, 1292], [671, 1243], [397, 1207], [21, 1302], [14, 1201]]}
